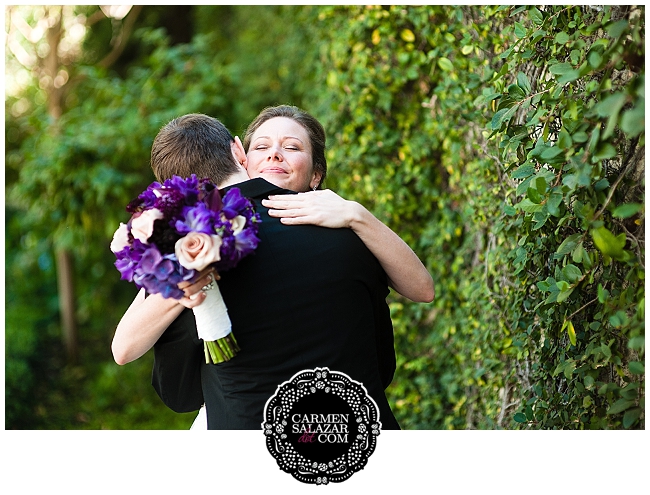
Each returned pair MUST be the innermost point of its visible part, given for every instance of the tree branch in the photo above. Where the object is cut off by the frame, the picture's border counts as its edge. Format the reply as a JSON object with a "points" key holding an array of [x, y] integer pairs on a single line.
{"points": [[628, 165], [122, 39]]}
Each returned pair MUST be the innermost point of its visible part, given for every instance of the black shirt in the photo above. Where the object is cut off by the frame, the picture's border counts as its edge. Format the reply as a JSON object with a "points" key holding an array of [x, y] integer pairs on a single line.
{"points": [[307, 297]]}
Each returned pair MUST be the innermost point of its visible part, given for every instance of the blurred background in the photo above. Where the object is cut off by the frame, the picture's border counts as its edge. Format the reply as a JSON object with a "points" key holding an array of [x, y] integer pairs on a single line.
{"points": [[505, 145]]}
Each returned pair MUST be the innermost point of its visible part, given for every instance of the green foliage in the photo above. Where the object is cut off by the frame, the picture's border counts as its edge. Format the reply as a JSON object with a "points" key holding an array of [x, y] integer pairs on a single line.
{"points": [[69, 180], [566, 101], [506, 146]]}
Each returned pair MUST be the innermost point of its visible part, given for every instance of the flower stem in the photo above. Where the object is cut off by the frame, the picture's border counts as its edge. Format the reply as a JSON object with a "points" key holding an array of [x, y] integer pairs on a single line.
{"points": [[223, 349]]}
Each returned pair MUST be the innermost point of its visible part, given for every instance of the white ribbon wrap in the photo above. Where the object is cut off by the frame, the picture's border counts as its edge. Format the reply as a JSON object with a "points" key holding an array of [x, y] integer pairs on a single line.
{"points": [[212, 320]]}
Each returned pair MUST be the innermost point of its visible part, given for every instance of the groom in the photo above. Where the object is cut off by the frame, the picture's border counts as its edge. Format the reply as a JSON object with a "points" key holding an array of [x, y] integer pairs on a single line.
{"points": [[309, 297]]}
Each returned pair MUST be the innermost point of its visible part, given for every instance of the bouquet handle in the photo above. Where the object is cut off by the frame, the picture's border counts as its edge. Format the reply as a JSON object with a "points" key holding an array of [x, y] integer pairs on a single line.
{"points": [[214, 327]]}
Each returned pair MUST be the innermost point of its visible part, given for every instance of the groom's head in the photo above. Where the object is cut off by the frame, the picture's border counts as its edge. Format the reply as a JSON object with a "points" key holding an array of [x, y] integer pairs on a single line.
{"points": [[196, 144]]}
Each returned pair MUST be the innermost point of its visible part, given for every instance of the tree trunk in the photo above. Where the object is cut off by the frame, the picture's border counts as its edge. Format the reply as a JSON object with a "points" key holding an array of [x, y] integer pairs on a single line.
{"points": [[65, 276], [64, 260]]}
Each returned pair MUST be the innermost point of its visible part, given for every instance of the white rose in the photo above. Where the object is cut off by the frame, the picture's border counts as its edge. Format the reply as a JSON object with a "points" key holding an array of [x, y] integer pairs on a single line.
{"points": [[120, 238], [238, 223], [196, 250], [142, 226]]}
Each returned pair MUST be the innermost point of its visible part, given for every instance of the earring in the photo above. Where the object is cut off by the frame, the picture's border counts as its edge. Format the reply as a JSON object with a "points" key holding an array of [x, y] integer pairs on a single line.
{"points": [[315, 187]]}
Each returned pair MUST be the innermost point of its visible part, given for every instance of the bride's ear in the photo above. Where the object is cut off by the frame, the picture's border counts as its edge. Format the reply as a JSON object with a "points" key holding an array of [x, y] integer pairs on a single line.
{"points": [[238, 152]]}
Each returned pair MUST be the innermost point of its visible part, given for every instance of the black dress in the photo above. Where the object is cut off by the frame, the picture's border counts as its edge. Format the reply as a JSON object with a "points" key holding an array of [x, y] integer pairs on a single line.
{"points": [[309, 297]]}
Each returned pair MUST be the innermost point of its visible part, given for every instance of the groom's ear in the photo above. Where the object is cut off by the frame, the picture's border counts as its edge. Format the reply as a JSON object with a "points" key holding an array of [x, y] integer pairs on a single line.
{"points": [[238, 152]]}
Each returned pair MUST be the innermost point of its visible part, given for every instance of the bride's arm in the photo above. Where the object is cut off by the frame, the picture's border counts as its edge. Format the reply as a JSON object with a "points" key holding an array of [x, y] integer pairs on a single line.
{"points": [[406, 273], [148, 317]]}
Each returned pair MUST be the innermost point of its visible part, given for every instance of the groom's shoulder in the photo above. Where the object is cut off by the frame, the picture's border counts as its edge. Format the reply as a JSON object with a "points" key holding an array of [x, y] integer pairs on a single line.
{"points": [[258, 188]]}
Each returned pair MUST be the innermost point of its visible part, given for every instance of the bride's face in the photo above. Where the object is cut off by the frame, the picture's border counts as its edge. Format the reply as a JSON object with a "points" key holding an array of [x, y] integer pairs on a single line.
{"points": [[280, 152]]}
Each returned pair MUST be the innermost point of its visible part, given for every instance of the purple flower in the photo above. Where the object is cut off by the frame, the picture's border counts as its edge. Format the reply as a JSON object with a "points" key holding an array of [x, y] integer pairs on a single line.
{"points": [[161, 274], [234, 203], [129, 258], [188, 187], [150, 260], [196, 219], [212, 200]]}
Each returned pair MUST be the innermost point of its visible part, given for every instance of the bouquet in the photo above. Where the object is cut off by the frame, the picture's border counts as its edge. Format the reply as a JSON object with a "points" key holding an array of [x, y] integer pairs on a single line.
{"points": [[178, 229]]}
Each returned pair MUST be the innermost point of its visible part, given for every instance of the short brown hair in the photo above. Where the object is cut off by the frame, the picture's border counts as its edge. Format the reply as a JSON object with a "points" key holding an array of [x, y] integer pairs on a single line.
{"points": [[314, 129], [193, 144]]}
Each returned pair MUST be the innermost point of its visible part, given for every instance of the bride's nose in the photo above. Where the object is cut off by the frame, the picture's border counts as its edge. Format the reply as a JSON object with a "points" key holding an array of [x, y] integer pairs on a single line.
{"points": [[275, 154]]}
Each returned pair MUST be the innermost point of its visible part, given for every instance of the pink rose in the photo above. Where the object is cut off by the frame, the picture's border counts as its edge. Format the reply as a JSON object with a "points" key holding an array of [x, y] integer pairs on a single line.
{"points": [[196, 250], [120, 239], [142, 226]]}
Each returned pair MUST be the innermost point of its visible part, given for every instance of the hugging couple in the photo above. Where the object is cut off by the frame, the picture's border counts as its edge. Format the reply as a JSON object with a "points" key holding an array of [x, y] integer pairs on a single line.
{"points": [[312, 295]]}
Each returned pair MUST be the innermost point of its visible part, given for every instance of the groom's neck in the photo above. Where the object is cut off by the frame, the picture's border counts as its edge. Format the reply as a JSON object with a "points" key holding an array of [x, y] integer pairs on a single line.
{"points": [[235, 178]]}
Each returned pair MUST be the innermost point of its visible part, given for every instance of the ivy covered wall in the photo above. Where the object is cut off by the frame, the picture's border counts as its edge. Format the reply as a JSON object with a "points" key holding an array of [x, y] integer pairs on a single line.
{"points": [[506, 145]]}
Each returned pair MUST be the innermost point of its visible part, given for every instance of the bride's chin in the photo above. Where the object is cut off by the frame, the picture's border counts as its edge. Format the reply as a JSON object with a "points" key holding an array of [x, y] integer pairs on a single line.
{"points": [[276, 179]]}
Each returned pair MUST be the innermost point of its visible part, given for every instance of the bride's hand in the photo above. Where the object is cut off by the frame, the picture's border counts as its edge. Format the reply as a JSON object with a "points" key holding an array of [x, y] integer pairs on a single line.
{"points": [[193, 293], [323, 208]]}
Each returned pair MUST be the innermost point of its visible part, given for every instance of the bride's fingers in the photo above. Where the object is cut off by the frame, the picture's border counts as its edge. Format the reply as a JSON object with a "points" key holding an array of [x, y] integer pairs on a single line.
{"points": [[191, 288], [294, 212], [193, 300], [280, 205]]}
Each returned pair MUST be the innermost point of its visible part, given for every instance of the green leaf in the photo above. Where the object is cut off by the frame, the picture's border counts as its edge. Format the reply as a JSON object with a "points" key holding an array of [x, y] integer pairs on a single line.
{"points": [[534, 195], [528, 206], [567, 246], [607, 352], [572, 273], [526, 170], [561, 38], [616, 29], [445, 64], [603, 294], [608, 243], [572, 333], [620, 406], [536, 16], [569, 369], [627, 210], [560, 69], [564, 140], [520, 30], [501, 116], [407, 35], [637, 343], [509, 210], [612, 104], [595, 59], [631, 416], [523, 82], [564, 294], [605, 151], [516, 92], [636, 368], [550, 153], [580, 137], [522, 188], [467, 49], [520, 417], [568, 77], [540, 185], [553, 203], [633, 121], [563, 285]]}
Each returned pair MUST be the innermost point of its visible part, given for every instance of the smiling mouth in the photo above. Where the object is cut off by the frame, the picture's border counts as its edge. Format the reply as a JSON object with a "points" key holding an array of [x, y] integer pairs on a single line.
{"points": [[273, 170]]}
